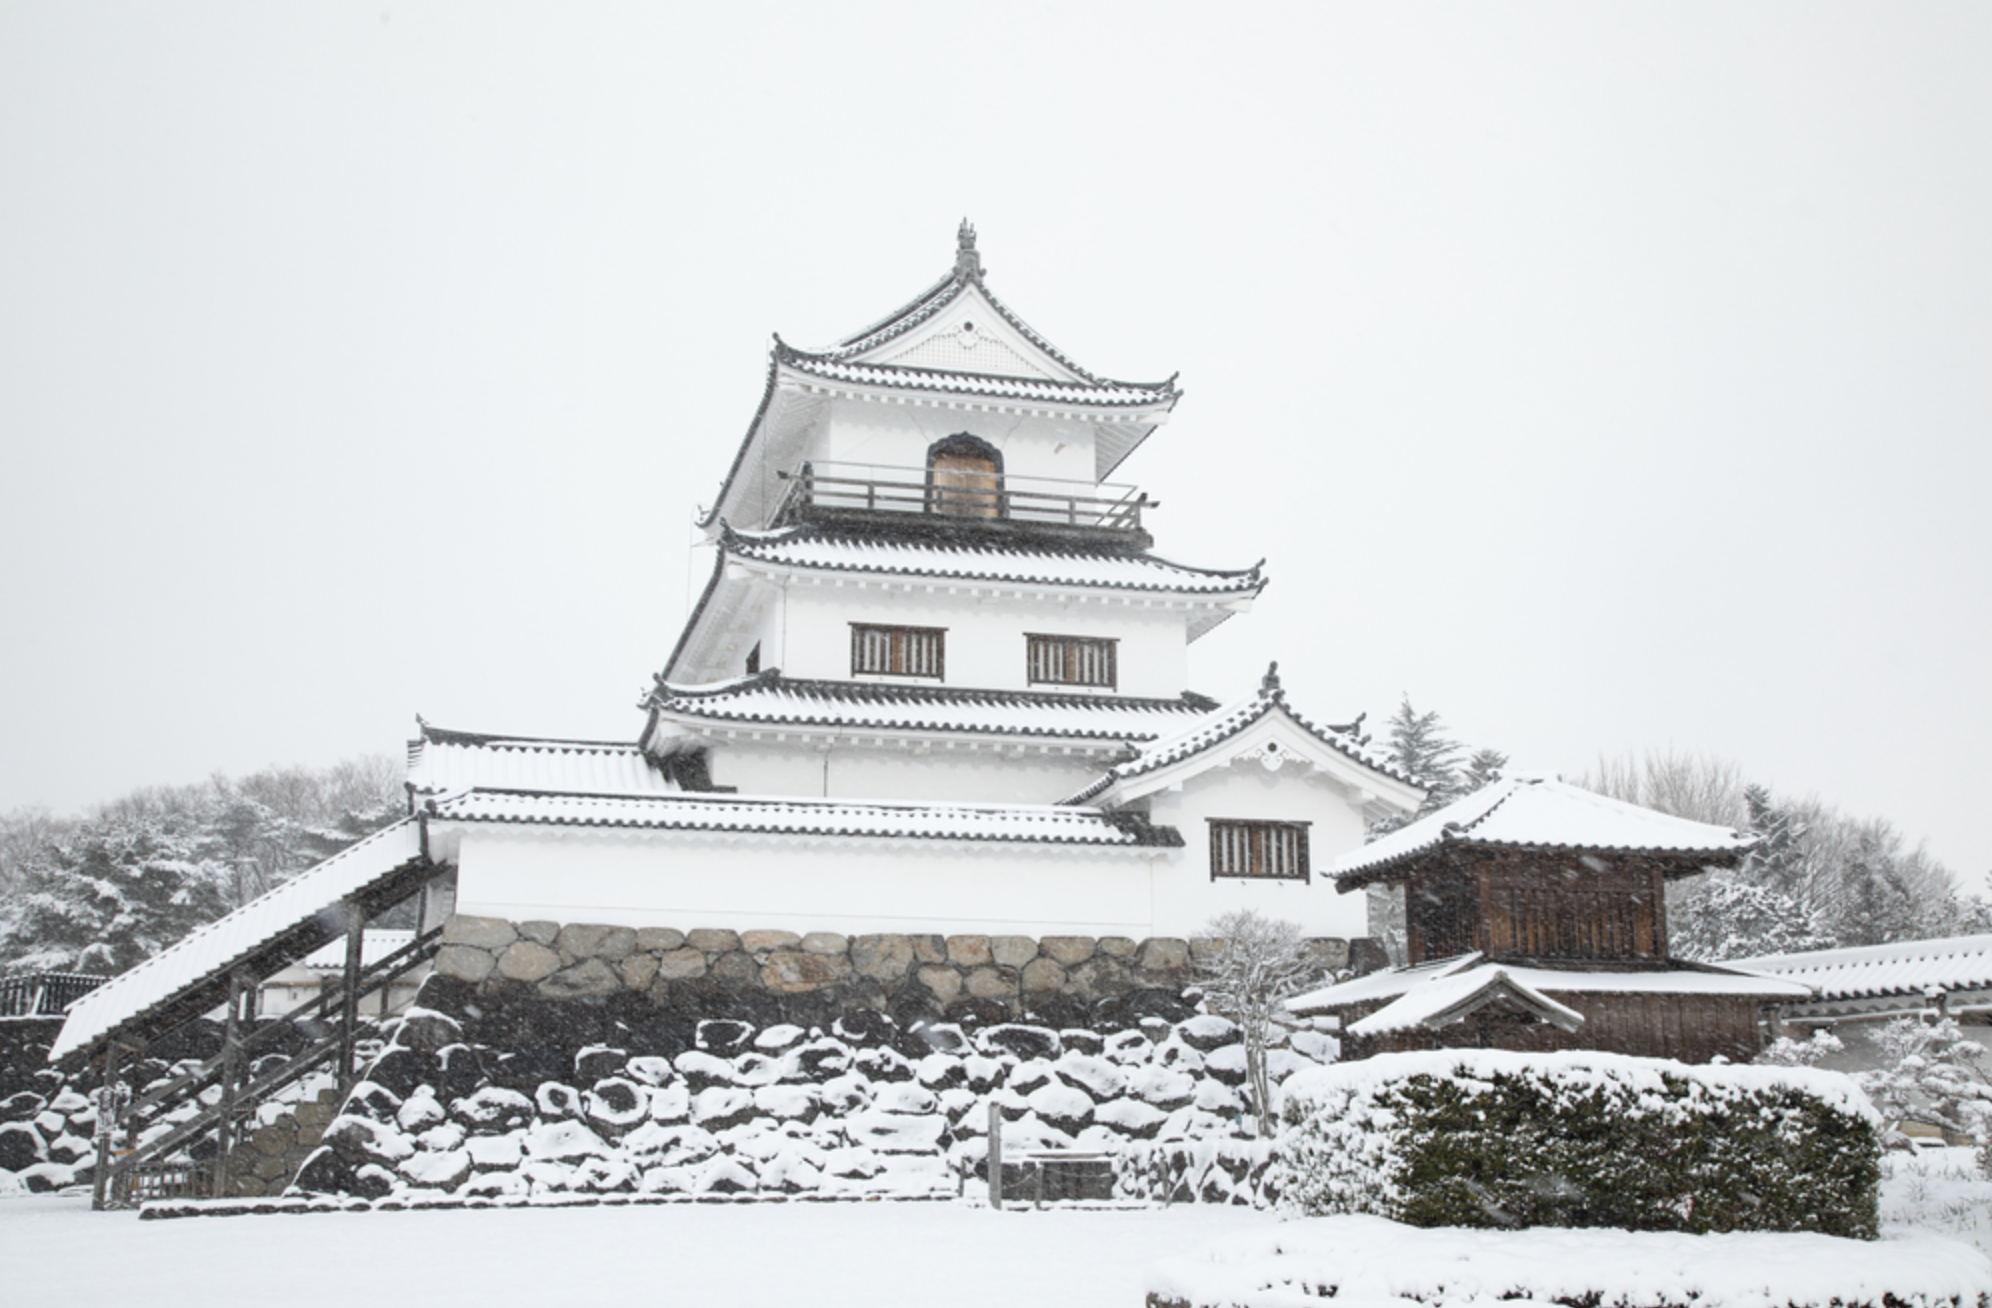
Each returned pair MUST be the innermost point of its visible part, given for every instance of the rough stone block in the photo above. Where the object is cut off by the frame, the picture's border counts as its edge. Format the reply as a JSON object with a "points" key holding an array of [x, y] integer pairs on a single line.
{"points": [[1205, 950], [1118, 947], [659, 940], [610, 943], [1162, 954], [312, 1114], [590, 976], [929, 948], [882, 957], [1012, 951], [1327, 953], [991, 983], [464, 962], [310, 1137], [826, 942], [269, 1167], [271, 1140], [945, 982], [793, 972], [969, 951], [1041, 975], [525, 960], [764, 942], [492, 933], [681, 964], [1100, 977], [637, 970], [1067, 950], [540, 933], [736, 969], [712, 940]]}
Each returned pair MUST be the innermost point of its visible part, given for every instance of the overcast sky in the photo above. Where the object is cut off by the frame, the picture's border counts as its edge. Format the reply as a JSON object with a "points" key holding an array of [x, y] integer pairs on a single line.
{"points": [[1608, 378]]}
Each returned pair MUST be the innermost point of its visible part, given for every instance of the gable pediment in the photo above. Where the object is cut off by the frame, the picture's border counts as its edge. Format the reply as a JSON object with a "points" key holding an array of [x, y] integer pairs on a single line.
{"points": [[970, 336]]}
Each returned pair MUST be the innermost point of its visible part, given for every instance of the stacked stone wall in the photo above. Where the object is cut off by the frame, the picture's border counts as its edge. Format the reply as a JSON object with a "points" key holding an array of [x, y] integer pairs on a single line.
{"points": [[766, 977]]}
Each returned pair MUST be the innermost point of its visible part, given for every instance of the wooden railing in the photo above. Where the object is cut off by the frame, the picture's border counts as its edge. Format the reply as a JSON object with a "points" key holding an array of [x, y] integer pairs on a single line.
{"points": [[862, 488]]}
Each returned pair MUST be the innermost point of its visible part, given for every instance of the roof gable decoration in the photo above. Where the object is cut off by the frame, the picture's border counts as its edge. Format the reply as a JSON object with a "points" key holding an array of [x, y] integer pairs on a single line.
{"points": [[1445, 1000], [1264, 730], [1533, 811]]}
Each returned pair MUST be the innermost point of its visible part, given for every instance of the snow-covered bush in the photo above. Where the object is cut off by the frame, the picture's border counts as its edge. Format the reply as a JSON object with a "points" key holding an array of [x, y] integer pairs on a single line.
{"points": [[1932, 1072], [1491, 1138]]}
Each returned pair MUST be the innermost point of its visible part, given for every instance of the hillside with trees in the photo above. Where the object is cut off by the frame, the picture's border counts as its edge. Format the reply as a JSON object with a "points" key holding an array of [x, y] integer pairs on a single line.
{"points": [[103, 891]]}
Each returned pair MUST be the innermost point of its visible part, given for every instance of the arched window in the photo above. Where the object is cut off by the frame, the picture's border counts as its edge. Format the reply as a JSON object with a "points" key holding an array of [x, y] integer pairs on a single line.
{"points": [[965, 478]]}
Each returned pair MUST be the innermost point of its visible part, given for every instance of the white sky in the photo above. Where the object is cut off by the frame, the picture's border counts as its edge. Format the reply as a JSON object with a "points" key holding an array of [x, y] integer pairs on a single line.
{"points": [[1609, 378]]}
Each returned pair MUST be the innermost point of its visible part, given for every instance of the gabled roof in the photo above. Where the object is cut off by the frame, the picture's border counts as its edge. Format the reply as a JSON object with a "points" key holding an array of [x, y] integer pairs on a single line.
{"points": [[992, 560], [1048, 380], [1444, 1000], [768, 699], [1913, 967], [1224, 724], [440, 760], [1536, 812], [1038, 824], [1444, 982]]}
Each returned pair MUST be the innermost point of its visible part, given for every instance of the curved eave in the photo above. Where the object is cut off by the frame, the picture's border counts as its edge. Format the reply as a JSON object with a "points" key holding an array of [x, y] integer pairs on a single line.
{"points": [[1681, 863], [1246, 586], [1102, 400]]}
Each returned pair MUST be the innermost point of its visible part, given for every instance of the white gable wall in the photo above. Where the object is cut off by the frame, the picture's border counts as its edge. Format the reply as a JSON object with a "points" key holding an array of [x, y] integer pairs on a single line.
{"points": [[899, 436]]}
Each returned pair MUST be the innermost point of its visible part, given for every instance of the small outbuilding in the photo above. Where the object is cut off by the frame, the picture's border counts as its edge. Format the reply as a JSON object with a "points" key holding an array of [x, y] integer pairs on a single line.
{"points": [[1536, 919]]}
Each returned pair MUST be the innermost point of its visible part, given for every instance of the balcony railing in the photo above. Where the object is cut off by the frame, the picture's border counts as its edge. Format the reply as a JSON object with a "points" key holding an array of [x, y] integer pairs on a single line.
{"points": [[862, 490]]}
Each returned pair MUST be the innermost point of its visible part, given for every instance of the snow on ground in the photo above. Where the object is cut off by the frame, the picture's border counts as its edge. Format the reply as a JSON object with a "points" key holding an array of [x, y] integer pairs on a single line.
{"points": [[54, 1251]]}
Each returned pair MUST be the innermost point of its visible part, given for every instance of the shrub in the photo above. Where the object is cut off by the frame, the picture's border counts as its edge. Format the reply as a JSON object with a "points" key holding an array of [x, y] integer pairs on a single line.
{"points": [[1488, 1138]]}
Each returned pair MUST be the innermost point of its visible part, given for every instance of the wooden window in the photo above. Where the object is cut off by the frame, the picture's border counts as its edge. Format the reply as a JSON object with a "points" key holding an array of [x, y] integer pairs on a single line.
{"points": [[965, 478], [1070, 660], [898, 651], [1258, 849]]}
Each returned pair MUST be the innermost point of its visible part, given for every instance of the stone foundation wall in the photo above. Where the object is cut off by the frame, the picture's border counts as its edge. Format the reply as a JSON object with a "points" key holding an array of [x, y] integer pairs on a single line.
{"points": [[770, 976], [271, 1150]]}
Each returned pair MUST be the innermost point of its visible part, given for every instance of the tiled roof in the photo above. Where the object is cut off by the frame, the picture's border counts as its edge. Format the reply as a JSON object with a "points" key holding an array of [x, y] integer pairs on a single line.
{"points": [[455, 760], [1914, 967], [1113, 395], [1445, 981], [1224, 723], [768, 697], [1533, 812], [1014, 823], [212, 950], [811, 547]]}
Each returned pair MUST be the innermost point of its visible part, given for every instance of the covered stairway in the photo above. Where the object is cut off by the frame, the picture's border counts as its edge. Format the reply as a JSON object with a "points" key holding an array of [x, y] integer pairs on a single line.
{"points": [[222, 966]]}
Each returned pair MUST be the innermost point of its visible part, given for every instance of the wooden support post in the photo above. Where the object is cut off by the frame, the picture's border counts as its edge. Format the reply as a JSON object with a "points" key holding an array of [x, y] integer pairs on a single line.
{"points": [[349, 996], [231, 1077], [995, 1154], [107, 1128]]}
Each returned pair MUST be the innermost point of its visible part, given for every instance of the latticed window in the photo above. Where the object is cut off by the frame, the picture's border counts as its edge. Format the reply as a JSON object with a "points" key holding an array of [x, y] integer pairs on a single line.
{"points": [[898, 651], [1071, 661], [1258, 849]]}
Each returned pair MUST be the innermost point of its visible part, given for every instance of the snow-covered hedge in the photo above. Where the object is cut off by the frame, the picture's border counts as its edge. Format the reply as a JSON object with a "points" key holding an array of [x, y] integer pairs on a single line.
{"points": [[1489, 1138]]}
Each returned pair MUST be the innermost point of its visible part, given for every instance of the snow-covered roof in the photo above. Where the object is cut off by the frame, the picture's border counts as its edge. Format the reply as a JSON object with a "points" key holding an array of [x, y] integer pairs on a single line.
{"points": [[1014, 823], [1222, 724], [1103, 395], [441, 760], [1450, 998], [767, 699], [305, 904], [376, 943], [1675, 979], [1914, 967], [995, 561], [1535, 812]]}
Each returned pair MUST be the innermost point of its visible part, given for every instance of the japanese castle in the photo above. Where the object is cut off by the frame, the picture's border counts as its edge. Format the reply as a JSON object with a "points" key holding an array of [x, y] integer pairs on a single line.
{"points": [[936, 682]]}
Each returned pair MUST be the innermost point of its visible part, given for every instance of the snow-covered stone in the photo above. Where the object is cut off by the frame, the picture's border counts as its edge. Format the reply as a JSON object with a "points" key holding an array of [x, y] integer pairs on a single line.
{"points": [[419, 1111], [490, 1153], [1061, 1106], [720, 1106], [1207, 1031], [437, 1170], [556, 1100], [562, 1140], [787, 1101], [671, 1103], [1095, 1075], [701, 1069], [651, 1069], [616, 1103], [442, 1137], [895, 1133], [905, 1097], [493, 1107], [1163, 1087], [782, 1036], [1131, 1117]]}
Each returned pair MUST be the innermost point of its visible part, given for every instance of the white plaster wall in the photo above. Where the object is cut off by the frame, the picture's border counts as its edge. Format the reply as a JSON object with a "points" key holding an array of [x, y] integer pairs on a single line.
{"points": [[689, 879], [985, 640], [856, 431], [1190, 898], [875, 772]]}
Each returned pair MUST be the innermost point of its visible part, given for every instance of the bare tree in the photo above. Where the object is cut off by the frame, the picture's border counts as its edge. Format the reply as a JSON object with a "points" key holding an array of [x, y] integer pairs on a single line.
{"points": [[1253, 965]]}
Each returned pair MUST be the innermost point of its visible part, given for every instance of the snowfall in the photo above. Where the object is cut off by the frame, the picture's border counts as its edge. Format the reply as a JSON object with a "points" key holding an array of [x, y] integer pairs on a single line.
{"points": [[1937, 1217]]}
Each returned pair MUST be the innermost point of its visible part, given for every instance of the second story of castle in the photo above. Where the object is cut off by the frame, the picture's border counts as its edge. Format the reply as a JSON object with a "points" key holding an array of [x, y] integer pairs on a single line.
{"points": [[923, 572]]}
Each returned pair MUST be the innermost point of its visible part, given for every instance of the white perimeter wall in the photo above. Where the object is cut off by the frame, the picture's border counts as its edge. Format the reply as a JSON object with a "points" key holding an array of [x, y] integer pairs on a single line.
{"points": [[852, 772]]}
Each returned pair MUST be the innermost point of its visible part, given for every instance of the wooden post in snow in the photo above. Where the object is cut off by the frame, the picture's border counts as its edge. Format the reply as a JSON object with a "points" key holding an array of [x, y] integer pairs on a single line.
{"points": [[349, 995], [231, 1077], [107, 1127], [995, 1154]]}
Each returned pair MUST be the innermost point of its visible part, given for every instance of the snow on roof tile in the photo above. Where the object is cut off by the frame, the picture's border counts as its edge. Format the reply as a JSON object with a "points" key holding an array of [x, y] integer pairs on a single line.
{"points": [[456, 760], [1446, 974], [809, 547], [1092, 395], [223, 943], [1014, 823], [1453, 995], [1224, 723], [1533, 812], [769, 698], [1911, 968]]}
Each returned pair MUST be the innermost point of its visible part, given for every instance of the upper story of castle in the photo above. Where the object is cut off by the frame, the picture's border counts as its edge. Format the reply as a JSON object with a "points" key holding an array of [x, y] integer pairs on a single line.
{"points": [[950, 416]]}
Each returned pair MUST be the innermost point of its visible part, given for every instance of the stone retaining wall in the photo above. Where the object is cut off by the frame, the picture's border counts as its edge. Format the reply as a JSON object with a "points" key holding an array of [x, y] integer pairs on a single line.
{"points": [[769, 976], [268, 1155]]}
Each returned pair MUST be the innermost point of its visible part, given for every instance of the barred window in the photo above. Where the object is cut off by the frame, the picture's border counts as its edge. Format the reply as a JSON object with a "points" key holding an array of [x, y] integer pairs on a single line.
{"points": [[898, 651], [1070, 660], [1258, 849]]}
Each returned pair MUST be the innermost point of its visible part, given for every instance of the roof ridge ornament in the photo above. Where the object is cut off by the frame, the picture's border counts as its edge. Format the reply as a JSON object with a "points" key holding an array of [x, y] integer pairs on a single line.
{"points": [[968, 263], [1269, 685]]}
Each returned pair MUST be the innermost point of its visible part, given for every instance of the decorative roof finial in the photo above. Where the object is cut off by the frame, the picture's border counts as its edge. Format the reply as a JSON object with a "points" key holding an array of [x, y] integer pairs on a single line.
{"points": [[1270, 683], [967, 262]]}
